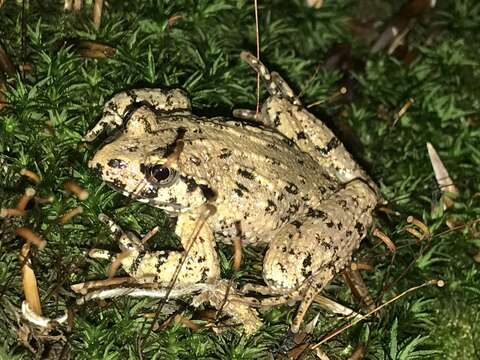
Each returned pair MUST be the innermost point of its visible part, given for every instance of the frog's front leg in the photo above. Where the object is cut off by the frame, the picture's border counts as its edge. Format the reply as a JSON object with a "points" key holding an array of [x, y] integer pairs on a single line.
{"points": [[307, 253], [199, 264], [116, 110]]}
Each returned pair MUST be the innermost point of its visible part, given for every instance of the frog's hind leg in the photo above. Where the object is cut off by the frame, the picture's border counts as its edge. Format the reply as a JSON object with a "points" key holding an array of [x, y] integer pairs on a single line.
{"points": [[308, 252], [276, 86], [116, 110], [284, 112]]}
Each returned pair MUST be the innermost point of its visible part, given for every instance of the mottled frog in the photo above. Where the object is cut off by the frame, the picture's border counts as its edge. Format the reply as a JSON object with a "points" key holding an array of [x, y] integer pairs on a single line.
{"points": [[281, 178]]}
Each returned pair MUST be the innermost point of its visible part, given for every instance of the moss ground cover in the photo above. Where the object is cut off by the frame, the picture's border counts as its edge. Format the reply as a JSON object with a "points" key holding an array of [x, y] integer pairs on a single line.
{"points": [[195, 45]]}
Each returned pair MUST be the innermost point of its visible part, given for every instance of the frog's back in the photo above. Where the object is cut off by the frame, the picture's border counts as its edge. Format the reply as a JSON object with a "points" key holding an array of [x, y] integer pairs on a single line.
{"points": [[259, 179]]}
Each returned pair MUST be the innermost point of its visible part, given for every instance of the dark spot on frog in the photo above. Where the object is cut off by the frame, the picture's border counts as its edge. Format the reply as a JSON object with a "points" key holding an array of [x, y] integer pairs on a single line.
{"points": [[292, 188], [204, 275], [330, 224], [276, 120], [191, 183], [300, 161], [348, 233], [305, 198], [242, 187], [360, 228], [137, 261], [271, 207], [172, 200], [148, 127], [238, 192], [307, 261], [272, 161], [195, 160], [301, 135], [132, 95], [246, 174], [297, 223], [208, 192], [98, 169], [319, 214], [327, 246], [112, 106], [322, 189], [201, 259], [117, 163], [148, 193], [343, 204], [293, 208], [331, 145], [225, 153], [117, 185], [339, 226]]}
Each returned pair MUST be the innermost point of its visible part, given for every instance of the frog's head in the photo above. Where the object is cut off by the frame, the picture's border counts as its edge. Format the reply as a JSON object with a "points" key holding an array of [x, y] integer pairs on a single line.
{"points": [[138, 163]]}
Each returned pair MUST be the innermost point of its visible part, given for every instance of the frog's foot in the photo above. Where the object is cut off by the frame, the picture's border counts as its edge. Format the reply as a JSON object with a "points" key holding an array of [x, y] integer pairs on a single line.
{"points": [[276, 86], [226, 299], [116, 110]]}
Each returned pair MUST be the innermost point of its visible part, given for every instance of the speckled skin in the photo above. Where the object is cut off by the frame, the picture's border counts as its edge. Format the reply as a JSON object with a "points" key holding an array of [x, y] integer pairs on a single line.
{"points": [[285, 180]]}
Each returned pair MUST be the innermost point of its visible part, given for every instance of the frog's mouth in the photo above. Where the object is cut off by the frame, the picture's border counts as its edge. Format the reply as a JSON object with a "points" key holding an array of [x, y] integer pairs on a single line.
{"points": [[147, 196]]}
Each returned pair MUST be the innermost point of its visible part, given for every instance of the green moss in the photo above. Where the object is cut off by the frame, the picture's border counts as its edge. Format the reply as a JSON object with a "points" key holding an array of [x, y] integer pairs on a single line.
{"points": [[51, 107]]}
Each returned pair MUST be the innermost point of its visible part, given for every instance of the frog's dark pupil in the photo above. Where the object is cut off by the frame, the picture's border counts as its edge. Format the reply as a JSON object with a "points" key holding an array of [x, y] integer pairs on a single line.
{"points": [[160, 173]]}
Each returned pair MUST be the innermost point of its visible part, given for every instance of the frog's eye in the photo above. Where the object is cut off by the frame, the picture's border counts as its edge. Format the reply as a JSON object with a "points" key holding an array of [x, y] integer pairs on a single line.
{"points": [[163, 175]]}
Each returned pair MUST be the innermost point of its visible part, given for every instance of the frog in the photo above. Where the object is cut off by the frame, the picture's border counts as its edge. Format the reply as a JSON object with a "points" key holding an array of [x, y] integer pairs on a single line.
{"points": [[277, 177]]}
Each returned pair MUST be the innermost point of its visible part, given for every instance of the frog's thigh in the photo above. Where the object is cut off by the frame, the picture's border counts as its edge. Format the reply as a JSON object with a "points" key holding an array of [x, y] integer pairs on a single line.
{"points": [[116, 109], [319, 245]]}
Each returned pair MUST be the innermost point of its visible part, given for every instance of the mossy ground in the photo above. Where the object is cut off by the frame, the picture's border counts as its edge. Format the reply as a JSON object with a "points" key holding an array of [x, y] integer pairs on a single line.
{"points": [[51, 107]]}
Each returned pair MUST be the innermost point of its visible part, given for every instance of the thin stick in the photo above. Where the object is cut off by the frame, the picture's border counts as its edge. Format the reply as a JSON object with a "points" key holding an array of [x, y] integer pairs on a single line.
{"points": [[28, 235], [70, 214], [356, 321], [31, 175], [257, 34], [150, 234], [97, 13], [419, 224], [386, 240]]}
